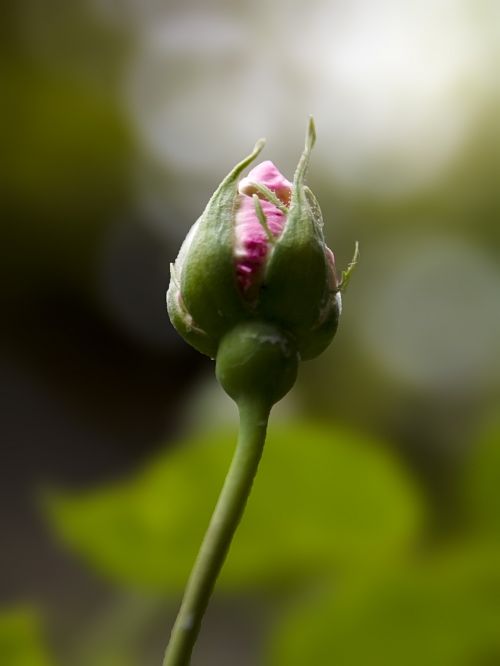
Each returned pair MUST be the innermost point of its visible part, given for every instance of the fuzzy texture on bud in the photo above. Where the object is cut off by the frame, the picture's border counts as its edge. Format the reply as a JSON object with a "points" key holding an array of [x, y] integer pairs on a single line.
{"points": [[257, 253]]}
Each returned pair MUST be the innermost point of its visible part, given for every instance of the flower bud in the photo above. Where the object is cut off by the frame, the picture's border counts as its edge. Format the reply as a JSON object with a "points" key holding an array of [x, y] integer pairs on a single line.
{"points": [[257, 253]]}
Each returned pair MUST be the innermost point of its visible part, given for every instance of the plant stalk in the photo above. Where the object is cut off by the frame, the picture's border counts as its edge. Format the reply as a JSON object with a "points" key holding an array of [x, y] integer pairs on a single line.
{"points": [[254, 417]]}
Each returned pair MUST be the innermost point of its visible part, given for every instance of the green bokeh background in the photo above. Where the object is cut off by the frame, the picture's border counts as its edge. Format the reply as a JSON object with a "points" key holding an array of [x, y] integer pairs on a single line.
{"points": [[373, 532]]}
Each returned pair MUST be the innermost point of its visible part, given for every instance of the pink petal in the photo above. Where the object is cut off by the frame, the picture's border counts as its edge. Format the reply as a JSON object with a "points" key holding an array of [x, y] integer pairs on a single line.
{"points": [[266, 174], [251, 241], [332, 274]]}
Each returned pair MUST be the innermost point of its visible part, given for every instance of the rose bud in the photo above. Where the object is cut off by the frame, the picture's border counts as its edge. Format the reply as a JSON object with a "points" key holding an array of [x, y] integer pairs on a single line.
{"points": [[254, 286], [258, 254]]}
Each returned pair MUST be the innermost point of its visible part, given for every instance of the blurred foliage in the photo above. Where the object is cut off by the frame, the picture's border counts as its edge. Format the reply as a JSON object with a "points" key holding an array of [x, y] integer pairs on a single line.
{"points": [[481, 484], [444, 611], [323, 499], [333, 515], [66, 143], [21, 642], [441, 608], [56, 211]]}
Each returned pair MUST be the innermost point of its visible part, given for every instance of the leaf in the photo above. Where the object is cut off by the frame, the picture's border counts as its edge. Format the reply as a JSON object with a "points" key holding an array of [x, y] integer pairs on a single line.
{"points": [[482, 483], [443, 612], [323, 498], [20, 639]]}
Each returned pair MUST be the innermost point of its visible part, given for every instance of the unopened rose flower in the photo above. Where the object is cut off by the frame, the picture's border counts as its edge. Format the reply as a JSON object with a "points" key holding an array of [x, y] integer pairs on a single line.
{"points": [[257, 253], [254, 286]]}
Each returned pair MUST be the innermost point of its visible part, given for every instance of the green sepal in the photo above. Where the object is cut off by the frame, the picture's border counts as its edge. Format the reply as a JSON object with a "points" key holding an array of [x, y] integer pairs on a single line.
{"points": [[296, 291], [318, 339], [205, 264], [347, 273], [184, 323]]}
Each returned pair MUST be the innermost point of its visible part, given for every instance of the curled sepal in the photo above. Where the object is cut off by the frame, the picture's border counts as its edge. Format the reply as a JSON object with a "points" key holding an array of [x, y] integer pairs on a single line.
{"points": [[183, 321], [347, 273], [297, 289], [303, 165], [205, 264]]}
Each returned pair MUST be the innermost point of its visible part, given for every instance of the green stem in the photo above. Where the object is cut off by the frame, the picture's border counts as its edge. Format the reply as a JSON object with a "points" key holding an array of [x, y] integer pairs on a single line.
{"points": [[225, 519]]}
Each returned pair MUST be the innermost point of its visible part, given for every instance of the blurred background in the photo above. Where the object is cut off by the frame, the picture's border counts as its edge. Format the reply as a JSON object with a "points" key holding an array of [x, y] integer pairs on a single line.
{"points": [[374, 531]]}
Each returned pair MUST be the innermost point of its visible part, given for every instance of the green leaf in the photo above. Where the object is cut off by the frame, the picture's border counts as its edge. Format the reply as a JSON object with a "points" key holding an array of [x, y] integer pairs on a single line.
{"points": [[20, 639], [444, 612], [482, 483], [322, 498]]}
